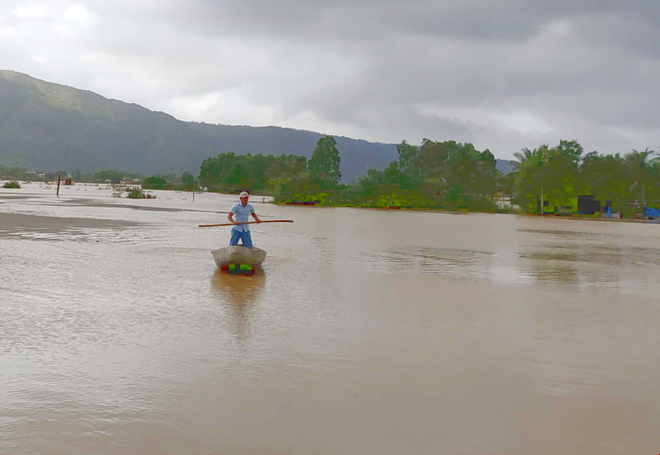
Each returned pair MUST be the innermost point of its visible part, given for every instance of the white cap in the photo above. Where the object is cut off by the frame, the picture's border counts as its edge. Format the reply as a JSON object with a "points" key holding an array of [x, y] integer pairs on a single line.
{"points": [[244, 194]]}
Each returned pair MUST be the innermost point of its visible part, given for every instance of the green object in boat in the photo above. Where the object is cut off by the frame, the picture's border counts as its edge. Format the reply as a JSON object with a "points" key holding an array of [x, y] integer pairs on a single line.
{"points": [[238, 268]]}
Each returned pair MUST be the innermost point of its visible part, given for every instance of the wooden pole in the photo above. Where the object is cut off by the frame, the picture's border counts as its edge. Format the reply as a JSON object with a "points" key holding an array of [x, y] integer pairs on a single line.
{"points": [[59, 177], [249, 222], [193, 191]]}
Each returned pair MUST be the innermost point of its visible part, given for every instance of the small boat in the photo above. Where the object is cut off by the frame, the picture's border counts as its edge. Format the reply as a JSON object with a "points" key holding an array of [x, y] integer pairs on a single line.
{"points": [[238, 259]]}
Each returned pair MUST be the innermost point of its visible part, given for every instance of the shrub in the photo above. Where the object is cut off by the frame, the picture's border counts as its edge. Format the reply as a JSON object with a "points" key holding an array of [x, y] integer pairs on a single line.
{"points": [[137, 192], [12, 184]]}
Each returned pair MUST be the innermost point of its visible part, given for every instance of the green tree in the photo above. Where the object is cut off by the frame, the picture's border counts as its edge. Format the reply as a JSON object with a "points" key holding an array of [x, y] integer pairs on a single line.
{"points": [[571, 149], [433, 159], [470, 170], [229, 171], [286, 166], [14, 173], [155, 182], [410, 165], [187, 178], [605, 177], [324, 164], [187, 181], [551, 174]]}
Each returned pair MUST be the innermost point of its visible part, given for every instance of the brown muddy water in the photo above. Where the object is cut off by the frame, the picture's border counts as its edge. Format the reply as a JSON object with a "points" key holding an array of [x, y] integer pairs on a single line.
{"points": [[367, 332]]}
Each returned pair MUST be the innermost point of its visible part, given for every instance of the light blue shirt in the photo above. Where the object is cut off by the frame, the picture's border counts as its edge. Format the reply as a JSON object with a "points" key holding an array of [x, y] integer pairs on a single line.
{"points": [[242, 215]]}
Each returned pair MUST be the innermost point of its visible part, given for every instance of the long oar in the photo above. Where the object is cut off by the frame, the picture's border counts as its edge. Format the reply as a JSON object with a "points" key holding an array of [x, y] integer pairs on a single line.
{"points": [[248, 222]]}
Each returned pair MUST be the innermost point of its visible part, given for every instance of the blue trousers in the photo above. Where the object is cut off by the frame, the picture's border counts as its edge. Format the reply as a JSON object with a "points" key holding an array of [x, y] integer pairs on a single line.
{"points": [[244, 236]]}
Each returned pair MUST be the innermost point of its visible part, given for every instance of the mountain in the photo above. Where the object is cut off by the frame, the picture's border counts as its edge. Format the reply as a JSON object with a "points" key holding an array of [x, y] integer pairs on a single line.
{"points": [[49, 127], [506, 166]]}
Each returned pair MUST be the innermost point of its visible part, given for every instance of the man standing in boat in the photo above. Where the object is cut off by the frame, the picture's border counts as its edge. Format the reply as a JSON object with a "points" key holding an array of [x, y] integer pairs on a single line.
{"points": [[242, 210]]}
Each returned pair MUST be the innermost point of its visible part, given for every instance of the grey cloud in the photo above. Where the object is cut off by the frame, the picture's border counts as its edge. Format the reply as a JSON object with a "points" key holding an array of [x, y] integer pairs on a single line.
{"points": [[585, 70], [485, 19]]}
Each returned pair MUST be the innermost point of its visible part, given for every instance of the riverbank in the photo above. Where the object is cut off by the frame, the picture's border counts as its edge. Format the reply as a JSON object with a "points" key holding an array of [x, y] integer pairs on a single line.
{"points": [[26, 186], [514, 210]]}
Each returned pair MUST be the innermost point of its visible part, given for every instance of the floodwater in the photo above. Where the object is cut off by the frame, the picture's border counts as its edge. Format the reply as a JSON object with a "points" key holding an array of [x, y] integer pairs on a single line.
{"points": [[366, 332]]}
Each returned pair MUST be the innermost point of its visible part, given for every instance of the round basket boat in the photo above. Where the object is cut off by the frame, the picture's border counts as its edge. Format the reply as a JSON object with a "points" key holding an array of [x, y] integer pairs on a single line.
{"points": [[238, 259]]}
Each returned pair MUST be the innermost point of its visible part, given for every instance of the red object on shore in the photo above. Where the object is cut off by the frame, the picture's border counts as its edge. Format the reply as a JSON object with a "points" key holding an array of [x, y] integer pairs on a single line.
{"points": [[302, 203]]}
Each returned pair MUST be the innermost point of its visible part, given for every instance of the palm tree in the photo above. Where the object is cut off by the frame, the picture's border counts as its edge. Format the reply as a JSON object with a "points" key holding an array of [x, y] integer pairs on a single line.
{"points": [[637, 164], [524, 155]]}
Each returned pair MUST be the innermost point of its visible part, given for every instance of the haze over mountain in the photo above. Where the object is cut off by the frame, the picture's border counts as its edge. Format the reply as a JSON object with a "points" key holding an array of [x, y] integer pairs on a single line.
{"points": [[49, 127]]}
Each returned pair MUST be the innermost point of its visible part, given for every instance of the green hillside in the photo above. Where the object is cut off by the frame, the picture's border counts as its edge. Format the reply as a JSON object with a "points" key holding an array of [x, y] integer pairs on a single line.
{"points": [[48, 127]]}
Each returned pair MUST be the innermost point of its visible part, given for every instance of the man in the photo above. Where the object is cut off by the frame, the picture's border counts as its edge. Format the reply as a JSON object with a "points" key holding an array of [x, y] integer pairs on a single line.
{"points": [[242, 210]]}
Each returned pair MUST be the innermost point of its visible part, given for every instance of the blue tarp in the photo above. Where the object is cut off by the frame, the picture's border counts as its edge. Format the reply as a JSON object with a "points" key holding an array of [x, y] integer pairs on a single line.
{"points": [[652, 212]]}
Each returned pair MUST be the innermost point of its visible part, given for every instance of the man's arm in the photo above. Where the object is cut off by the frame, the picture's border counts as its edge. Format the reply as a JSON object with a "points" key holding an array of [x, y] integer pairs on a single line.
{"points": [[231, 218], [254, 215]]}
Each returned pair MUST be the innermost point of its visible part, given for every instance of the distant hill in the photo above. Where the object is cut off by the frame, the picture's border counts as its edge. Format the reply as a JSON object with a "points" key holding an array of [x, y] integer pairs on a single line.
{"points": [[45, 126], [506, 166], [51, 127]]}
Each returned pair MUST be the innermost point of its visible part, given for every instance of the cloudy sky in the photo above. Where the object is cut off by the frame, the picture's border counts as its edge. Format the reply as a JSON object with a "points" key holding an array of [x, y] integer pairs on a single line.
{"points": [[502, 74]]}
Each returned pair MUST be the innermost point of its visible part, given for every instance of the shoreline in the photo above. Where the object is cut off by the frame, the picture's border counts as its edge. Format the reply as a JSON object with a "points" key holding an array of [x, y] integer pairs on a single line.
{"points": [[399, 208], [573, 217]]}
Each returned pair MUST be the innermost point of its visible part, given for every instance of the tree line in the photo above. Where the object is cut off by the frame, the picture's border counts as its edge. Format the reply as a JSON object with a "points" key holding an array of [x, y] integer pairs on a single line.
{"points": [[448, 175], [279, 175], [557, 175], [435, 174], [171, 181]]}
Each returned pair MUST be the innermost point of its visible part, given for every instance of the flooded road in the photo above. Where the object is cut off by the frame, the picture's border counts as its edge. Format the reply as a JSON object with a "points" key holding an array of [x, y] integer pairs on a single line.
{"points": [[366, 332]]}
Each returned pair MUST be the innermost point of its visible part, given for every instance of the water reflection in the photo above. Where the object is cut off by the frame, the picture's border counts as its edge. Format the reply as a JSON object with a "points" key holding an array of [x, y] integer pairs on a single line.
{"points": [[575, 264], [585, 263], [609, 256], [436, 261], [239, 294], [570, 235], [553, 272]]}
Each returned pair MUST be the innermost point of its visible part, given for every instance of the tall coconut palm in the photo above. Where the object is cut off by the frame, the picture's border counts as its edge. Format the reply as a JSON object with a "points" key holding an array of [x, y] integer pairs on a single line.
{"points": [[637, 164], [524, 155]]}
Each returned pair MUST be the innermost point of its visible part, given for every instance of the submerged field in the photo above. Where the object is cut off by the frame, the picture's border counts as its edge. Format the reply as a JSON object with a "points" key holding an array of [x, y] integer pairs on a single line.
{"points": [[366, 332]]}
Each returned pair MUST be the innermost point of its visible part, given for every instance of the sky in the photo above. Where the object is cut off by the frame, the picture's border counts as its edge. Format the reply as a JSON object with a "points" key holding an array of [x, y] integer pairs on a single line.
{"points": [[501, 74]]}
